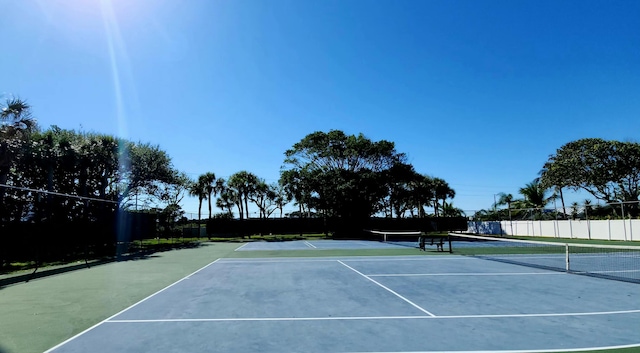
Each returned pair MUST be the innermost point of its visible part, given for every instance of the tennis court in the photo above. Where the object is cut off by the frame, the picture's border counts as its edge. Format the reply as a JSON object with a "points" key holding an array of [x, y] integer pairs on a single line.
{"points": [[372, 304], [325, 245]]}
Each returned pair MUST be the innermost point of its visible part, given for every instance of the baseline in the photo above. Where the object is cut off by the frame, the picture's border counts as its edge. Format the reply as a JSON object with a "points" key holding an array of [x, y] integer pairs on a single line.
{"points": [[470, 274], [357, 318], [350, 259], [565, 350]]}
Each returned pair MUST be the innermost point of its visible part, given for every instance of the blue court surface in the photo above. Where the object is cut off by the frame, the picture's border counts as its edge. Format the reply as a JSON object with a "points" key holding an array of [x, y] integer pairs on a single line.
{"points": [[372, 304], [325, 245]]}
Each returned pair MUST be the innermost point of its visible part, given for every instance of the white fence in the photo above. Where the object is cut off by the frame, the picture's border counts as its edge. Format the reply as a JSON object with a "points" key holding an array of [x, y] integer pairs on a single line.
{"points": [[628, 229]]}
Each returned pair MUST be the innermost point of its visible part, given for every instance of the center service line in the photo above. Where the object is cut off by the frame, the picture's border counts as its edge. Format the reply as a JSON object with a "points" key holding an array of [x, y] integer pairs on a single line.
{"points": [[381, 285]]}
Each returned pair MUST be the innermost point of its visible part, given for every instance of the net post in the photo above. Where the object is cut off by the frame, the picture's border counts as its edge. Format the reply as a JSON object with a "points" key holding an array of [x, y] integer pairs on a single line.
{"points": [[384, 237], [566, 250], [449, 238]]}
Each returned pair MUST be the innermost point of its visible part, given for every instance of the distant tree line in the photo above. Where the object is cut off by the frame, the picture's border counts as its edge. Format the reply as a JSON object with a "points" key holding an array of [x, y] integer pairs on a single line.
{"points": [[326, 174], [336, 176], [95, 167], [608, 170]]}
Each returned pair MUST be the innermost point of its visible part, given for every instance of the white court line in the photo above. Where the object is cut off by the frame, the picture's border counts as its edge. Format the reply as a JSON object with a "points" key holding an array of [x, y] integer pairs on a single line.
{"points": [[469, 274], [362, 258], [396, 294], [563, 350], [356, 318], [127, 308], [241, 246], [310, 245]]}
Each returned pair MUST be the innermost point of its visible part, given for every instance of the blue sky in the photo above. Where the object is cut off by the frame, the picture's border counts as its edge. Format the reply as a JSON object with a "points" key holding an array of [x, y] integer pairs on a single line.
{"points": [[479, 93]]}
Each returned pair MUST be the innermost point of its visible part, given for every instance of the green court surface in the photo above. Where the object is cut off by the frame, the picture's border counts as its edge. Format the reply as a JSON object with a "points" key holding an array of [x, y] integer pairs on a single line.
{"points": [[40, 314], [37, 315]]}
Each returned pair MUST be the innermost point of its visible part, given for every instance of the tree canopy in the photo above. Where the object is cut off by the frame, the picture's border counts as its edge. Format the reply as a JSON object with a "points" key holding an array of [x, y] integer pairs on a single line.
{"points": [[352, 177], [608, 170], [88, 165]]}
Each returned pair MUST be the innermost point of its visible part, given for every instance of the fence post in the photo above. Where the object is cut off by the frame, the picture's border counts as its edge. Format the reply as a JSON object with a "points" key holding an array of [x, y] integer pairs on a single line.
{"points": [[588, 222], [624, 225], [570, 229]]}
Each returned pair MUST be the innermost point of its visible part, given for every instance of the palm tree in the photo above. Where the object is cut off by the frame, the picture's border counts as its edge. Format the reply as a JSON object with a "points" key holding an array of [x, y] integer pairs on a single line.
{"points": [[16, 119], [449, 210], [574, 210], [442, 191], [549, 179], [16, 124], [587, 208], [226, 201], [244, 184], [505, 199], [535, 195], [199, 190], [208, 181]]}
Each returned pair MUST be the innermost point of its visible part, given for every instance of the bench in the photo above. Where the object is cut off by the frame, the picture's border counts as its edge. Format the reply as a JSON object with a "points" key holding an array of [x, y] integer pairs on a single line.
{"points": [[438, 241]]}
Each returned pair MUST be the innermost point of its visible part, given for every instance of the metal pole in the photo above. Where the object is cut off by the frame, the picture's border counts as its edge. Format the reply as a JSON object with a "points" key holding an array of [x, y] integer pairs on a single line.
{"points": [[566, 250]]}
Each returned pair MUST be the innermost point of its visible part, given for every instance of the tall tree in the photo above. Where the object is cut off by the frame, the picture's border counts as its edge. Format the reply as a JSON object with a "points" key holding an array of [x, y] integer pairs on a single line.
{"points": [[442, 191], [16, 124], [297, 185], [449, 210], [209, 181], [263, 196], [146, 168], [199, 190], [422, 190], [400, 179], [282, 197], [244, 184], [344, 174], [228, 198], [608, 170], [505, 199], [535, 196], [172, 194]]}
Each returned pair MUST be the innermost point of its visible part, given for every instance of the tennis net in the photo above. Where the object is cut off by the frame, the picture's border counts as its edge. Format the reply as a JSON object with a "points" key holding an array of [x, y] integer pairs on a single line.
{"points": [[605, 261], [412, 239]]}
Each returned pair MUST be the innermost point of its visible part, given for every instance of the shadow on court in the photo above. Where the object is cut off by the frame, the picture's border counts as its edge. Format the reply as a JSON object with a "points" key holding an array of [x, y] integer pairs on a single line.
{"points": [[32, 274]]}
